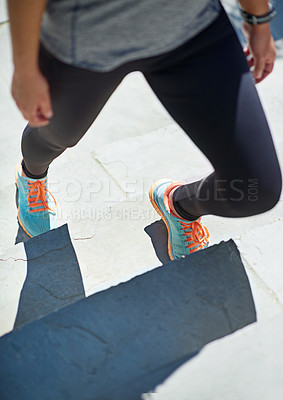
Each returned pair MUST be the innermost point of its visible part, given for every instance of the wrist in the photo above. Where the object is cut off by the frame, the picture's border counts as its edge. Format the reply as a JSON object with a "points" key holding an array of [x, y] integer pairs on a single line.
{"points": [[25, 61], [258, 28], [26, 70]]}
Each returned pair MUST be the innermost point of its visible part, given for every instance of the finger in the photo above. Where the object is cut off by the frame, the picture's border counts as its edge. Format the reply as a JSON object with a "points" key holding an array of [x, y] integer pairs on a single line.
{"points": [[41, 117], [28, 111], [251, 62], [45, 107], [249, 56], [259, 68], [246, 51], [268, 69], [38, 121]]}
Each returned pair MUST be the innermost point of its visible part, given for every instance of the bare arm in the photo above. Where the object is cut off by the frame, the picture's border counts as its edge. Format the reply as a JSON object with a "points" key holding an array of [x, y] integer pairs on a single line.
{"points": [[260, 40], [30, 89]]}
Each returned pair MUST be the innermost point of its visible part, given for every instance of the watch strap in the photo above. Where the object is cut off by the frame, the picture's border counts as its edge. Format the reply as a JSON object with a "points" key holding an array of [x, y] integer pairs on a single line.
{"points": [[258, 19]]}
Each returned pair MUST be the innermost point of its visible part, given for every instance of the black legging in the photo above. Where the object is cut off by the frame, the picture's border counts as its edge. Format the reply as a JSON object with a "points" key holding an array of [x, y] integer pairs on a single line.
{"points": [[207, 88]]}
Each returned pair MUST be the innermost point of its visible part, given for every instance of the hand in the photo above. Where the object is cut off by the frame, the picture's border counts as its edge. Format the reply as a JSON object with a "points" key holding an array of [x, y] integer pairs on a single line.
{"points": [[261, 46], [31, 94]]}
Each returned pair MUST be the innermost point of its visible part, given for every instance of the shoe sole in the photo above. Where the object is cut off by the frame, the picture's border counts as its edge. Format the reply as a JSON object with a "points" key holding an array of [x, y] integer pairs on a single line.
{"points": [[157, 209]]}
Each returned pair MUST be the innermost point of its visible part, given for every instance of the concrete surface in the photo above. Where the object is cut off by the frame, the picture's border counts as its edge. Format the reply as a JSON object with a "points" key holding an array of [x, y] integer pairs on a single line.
{"points": [[102, 185]]}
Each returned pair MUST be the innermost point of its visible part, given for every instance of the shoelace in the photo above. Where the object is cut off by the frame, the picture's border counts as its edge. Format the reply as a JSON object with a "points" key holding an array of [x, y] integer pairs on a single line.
{"points": [[37, 196], [198, 234]]}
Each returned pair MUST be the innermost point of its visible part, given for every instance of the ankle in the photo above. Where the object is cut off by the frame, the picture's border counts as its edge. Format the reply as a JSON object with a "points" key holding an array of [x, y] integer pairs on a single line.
{"points": [[26, 173], [177, 210], [171, 203]]}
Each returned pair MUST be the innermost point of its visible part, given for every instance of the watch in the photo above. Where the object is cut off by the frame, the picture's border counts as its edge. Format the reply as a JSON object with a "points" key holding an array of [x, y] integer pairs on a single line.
{"points": [[258, 19]]}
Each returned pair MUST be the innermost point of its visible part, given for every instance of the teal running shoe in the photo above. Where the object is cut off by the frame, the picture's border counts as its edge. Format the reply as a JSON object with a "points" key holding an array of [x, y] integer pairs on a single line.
{"points": [[36, 205], [184, 237]]}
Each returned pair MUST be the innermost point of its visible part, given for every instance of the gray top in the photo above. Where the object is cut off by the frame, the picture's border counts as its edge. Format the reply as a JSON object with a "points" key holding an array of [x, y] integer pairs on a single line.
{"points": [[102, 34]]}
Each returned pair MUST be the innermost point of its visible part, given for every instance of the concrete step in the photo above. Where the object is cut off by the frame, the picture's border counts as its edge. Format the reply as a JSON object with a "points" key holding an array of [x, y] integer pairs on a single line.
{"points": [[246, 365]]}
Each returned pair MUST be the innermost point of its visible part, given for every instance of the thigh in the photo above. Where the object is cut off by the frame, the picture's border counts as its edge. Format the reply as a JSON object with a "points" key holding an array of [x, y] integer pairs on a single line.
{"points": [[77, 95], [210, 93]]}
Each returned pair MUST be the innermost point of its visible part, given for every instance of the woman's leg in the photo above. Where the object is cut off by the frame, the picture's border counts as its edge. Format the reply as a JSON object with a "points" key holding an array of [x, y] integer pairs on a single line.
{"points": [[77, 96], [207, 88]]}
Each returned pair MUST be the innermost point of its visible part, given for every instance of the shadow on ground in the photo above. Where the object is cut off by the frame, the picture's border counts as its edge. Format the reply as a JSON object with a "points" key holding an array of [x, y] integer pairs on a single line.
{"points": [[124, 341], [53, 276], [22, 236], [159, 238]]}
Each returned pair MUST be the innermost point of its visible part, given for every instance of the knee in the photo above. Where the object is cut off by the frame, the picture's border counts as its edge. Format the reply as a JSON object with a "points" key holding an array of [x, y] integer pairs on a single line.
{"points": [[67, 142], [60, 138], [270, 195], [258, 196], [270, 187]]}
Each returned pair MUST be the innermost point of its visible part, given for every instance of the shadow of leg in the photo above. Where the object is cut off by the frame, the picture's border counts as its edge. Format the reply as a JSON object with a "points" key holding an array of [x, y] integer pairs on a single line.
{"points": [[159, 238], [124, 341], [53, 276], [21, 235]]}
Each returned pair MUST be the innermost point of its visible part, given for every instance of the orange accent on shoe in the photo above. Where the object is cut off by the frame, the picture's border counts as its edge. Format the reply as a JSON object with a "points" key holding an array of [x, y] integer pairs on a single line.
{"points": [[198, 233], [38, 190]]}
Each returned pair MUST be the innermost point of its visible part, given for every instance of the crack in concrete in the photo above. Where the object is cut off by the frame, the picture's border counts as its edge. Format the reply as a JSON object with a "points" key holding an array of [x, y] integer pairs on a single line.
{"points": [[12, 258], [102, 165], [83, 329], [60, 298], [83, 238], [90, 333], [41, 255], [222, 309], [49, 251]]}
